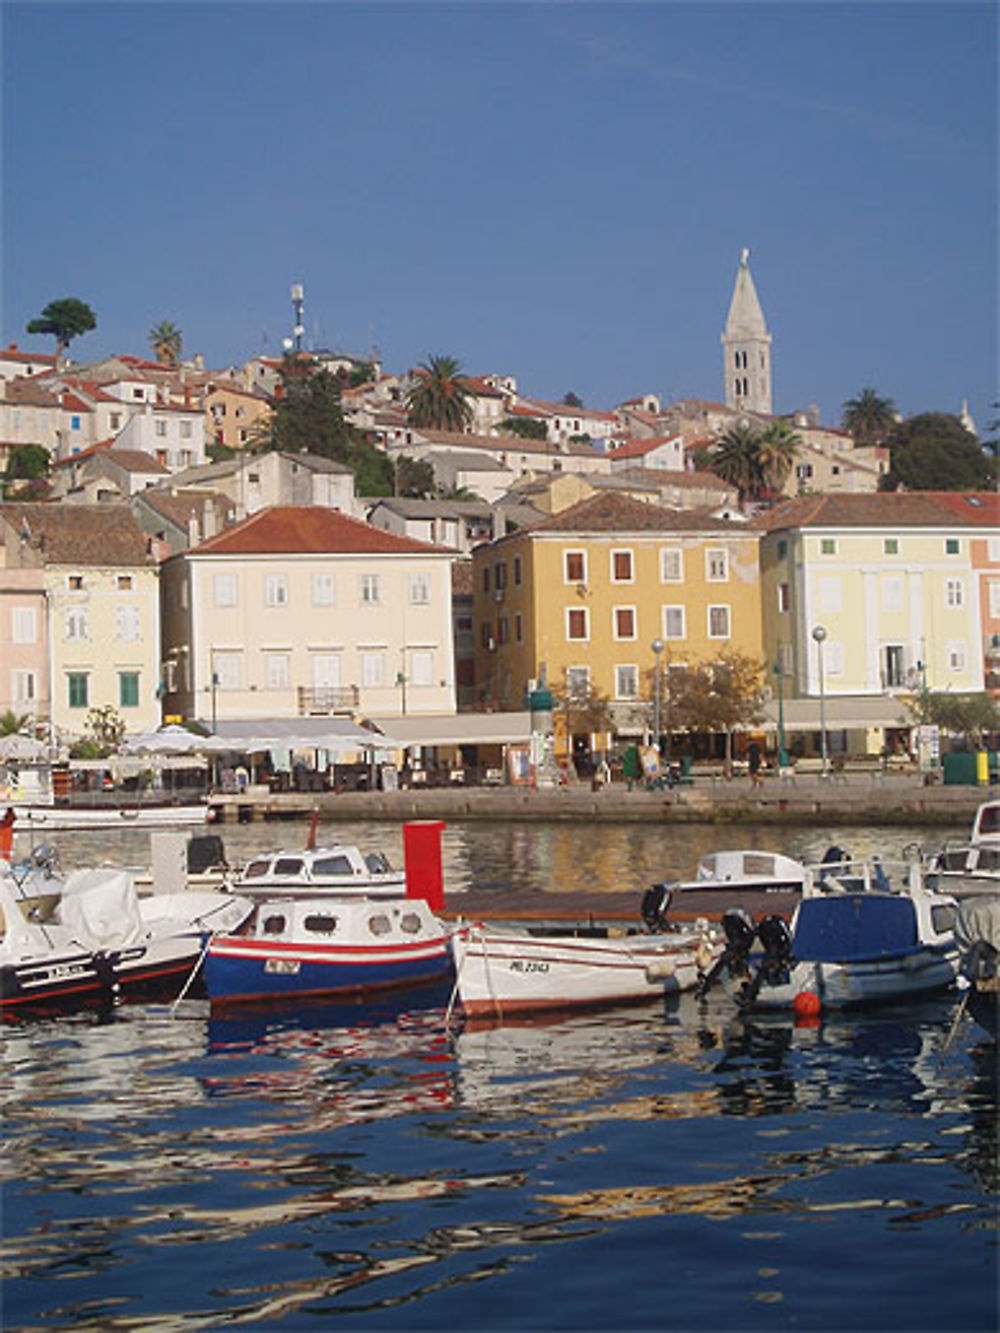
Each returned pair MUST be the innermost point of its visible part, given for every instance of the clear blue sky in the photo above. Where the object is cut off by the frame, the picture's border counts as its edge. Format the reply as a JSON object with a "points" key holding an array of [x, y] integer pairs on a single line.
{"points": [[554, 191]]}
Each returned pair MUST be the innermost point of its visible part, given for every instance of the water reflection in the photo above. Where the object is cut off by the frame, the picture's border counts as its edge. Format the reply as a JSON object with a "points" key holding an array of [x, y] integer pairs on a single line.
{"points": [[338, 1162], [555, 858]]}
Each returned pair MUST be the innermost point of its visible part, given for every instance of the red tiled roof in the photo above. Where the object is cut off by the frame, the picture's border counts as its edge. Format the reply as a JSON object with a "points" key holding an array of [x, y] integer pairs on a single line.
{"points": [[612, 512], [13, 353], [979, 508], [85, 534], [74, 402], [83, 454], [309, 530], [903, 509], [639, 448]]}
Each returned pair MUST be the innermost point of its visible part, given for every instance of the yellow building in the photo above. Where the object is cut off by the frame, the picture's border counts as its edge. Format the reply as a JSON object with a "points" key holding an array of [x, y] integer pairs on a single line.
{"points": [[101, 597], [889, 579], [581, 598]]}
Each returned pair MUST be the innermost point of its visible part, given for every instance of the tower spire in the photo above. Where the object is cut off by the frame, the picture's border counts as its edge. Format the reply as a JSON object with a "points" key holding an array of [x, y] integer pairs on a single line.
{"points": [[746, 346]]}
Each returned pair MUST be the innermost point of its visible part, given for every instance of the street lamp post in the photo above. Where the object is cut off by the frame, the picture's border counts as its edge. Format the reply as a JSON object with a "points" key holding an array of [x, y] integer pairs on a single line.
{"points": [[657, 646], [779, 676], [819, 634]]}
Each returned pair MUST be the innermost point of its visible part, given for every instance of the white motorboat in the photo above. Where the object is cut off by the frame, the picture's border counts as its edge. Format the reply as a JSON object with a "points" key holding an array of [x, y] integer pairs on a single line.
{"points": [[320, 872], [739, 869], [862, 932], [505, 970], [110, 814], [973, 865], [89, 936]]}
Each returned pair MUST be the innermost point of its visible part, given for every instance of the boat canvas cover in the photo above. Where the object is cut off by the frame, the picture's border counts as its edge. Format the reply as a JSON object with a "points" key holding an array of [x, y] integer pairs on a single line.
{"points": [[978, 919], [854, 926], [101, 908]]}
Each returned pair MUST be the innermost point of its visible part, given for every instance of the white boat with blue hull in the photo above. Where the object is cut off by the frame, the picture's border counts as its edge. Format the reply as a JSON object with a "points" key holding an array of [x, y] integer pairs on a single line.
{"points": [[327, 946], [863, 933]]}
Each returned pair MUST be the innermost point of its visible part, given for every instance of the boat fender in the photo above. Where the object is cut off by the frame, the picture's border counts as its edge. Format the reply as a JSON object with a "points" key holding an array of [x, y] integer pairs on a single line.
{"points": [[807, 1004], [705, 956], [660, 971]]}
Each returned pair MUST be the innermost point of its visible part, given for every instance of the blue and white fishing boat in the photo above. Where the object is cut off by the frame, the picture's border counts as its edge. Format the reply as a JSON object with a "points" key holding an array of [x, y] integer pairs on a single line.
{"points": [[358, 938], [328, 946], [863, 932]]}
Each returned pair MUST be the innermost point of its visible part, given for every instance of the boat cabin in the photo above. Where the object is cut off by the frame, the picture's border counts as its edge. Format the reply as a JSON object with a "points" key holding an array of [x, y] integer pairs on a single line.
{"points": [[341, 922], [338, 869]]}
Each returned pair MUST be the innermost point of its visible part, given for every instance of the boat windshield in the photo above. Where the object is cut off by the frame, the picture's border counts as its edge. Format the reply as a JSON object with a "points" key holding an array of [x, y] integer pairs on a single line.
{"points": [[378, 863]]}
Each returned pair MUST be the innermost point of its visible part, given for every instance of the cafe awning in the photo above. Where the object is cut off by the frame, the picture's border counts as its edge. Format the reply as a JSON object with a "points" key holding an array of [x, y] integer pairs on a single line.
{"points": [[459, 729], [851, 713], [338, 735]]}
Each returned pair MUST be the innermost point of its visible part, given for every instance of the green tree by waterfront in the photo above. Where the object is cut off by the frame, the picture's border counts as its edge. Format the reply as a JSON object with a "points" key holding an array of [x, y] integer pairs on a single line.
{"points": [[971, 717], [719, 696], [869, 417], [65, 319], [439, 398]]}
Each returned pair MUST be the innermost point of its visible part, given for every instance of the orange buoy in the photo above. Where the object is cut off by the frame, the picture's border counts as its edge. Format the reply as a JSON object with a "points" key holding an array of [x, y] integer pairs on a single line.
{"points": [[807, 1004]]}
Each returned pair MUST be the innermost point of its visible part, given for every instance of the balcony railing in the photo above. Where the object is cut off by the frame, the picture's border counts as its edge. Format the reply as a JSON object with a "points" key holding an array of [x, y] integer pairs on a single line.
{"points": [[320, 700]]}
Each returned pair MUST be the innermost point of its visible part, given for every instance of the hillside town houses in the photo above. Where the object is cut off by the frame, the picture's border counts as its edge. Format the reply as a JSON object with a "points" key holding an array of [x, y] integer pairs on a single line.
{"points": [[172, 571]]}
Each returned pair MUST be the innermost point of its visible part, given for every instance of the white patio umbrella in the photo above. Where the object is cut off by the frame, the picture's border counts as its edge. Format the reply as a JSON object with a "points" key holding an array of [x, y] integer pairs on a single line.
{"points": [[173, 739], [22, 748]]}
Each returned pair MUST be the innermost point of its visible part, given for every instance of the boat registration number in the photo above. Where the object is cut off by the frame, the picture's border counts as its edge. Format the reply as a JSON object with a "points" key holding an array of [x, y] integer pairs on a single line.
{"points": [[286, 966], [528, 965]]}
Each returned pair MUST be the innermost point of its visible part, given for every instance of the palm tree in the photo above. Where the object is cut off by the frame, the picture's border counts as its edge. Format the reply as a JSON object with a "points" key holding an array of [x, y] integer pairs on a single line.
{"points": [[869, 417], [166, 341], [439, 398], [737, 460], [778, 448]]}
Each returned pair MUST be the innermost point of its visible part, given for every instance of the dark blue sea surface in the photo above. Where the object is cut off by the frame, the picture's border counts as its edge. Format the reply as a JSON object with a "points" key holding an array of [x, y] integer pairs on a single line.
{"points": [[364, 1166]]}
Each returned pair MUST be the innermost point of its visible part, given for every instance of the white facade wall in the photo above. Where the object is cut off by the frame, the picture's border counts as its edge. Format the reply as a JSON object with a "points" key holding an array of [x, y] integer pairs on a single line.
{"points": [[269, 627], [176, 439]]}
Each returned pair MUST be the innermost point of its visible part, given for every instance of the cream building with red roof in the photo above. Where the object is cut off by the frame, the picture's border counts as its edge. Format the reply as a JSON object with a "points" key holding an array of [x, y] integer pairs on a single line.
{"points": [[302, 611]]}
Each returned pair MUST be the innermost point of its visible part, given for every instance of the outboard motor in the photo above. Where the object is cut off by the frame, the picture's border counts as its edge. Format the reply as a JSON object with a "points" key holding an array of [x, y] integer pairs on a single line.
{"points": [[738, 927], [775, 967], [655, 905]]}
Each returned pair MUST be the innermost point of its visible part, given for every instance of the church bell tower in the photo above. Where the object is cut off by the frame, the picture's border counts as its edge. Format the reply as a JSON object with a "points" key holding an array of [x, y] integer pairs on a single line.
{"points": [[746, 346]]}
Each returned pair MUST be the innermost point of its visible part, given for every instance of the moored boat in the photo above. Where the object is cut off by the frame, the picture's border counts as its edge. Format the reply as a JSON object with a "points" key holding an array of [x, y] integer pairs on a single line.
{"points": [[88, 936], [364, 936], [320, 872], [505, 970], [977, 931], [327, 946], [110, 814], [863, 932], [971, 866]]}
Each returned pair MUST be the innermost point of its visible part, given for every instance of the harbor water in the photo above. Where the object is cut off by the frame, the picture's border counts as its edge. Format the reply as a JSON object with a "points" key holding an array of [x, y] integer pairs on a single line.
{"points": [[375, 1165]]}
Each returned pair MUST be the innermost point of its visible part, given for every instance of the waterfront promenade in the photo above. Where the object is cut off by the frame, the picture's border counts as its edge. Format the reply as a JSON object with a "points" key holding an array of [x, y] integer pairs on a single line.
{"points": [[853, 798]]}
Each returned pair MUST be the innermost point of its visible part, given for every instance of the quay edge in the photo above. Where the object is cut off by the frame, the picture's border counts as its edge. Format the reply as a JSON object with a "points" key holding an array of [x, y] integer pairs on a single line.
{"points": [[900, 800]]}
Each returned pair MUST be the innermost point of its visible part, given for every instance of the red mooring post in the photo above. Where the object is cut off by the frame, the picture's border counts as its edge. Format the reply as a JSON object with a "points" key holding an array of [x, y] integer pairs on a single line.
{"points": [[422, 858]]}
